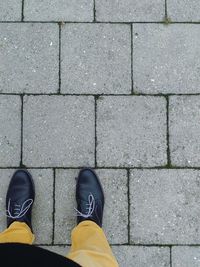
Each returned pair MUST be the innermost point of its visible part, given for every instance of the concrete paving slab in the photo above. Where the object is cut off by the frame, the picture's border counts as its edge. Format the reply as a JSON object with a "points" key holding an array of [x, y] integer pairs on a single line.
{"points": [[184, 130], [29, 58], [166, 58], [165, 206], [185, 256], [183, 10], [63, 129], [10, 10], [96, 59], [142, 256], [129, 10], [58, 10], [10, 131], [131, 131]]}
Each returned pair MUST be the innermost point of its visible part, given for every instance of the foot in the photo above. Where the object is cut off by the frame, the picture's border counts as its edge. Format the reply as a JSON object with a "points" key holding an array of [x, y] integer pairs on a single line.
{"points": [[20, 198], [89, 197]]}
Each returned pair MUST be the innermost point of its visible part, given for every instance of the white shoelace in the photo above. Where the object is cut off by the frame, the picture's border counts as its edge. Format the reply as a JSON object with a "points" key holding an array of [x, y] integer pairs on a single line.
{"points": [[19, 210], [90, 207]]}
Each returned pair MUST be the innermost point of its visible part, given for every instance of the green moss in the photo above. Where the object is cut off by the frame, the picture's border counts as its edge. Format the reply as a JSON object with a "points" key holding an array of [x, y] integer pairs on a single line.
{"points": [[167, 20]]}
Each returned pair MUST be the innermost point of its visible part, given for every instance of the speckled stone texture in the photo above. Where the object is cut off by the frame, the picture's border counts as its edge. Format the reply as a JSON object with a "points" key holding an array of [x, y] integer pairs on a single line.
{"points": [[130, 10], [166, 58], [184, 130], [58, 10], [142, 256], [183, 10], [10, 10], [131, 131], [65, 131], [29, 58], [10, 130], [185, 256], [115, 223], [96, 59], [165, 206]]}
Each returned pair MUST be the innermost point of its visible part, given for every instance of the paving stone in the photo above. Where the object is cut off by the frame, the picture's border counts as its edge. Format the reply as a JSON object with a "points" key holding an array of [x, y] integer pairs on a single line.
{"points": [[131, 131], [96, 58], [10, 10], [166, 59], [165, 206], [183, 10], [142, 256], [129, 10], [10, 130], [43, 206], [115, 217], [59, 10], [185, 256], [29, 58], [184, 130], [59, 131]]}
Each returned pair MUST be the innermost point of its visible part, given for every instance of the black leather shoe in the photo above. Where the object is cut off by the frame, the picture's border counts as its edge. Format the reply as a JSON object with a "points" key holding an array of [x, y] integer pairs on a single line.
{"points": [[20, 198], [89, 197]]}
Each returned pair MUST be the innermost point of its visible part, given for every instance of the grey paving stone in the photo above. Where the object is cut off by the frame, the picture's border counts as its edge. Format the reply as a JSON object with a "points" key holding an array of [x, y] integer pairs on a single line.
{"points": [[183, 10], [43, 206], [29, 58], [58, 10], [115, 216], [184, 130], [10, 10], [58, 131], [96, 58], [185, 256], [129, 10], [131, 131], [10, 130], [166, 58], [165, 206], [142, 256]]}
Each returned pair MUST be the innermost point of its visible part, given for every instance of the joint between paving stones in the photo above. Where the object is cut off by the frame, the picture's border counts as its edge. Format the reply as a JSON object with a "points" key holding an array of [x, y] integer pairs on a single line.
{"points": [[132, 81], [166, 15], [168, 137], [102, 168], [59, 58], [169, 21], [128, 199], [22, 118], [22, 16], [95, 130], [94, 10], [170, 255], [125, 244], [54, 206], [99, 95]]}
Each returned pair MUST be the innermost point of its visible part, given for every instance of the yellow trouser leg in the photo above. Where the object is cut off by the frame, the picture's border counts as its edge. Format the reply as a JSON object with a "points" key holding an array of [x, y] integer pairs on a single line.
{"points": [[17, 232], [90, 247]]}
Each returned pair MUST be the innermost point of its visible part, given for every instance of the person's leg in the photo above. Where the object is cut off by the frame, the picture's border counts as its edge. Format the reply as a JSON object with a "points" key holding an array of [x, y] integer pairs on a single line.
{"points": [[90, 247], [17, 232], [19, 200]]}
